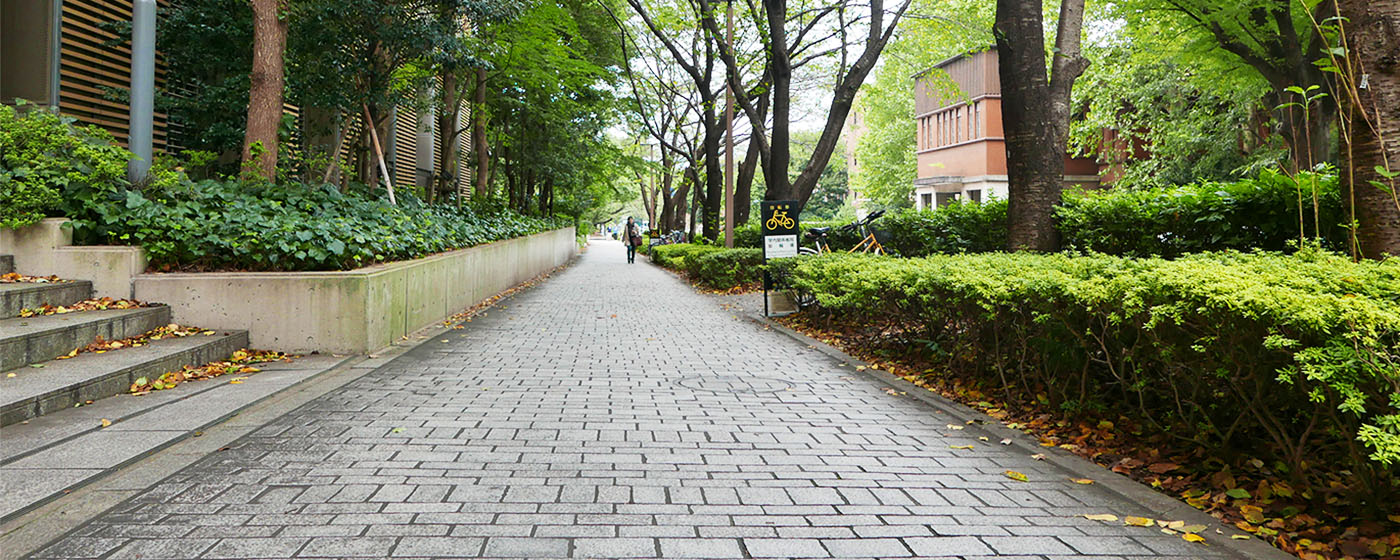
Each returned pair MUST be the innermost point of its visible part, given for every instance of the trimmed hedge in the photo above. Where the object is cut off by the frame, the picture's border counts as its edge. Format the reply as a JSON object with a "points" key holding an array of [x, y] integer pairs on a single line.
{"points": [[1257, 213], [1290, 357], [716, 268]]}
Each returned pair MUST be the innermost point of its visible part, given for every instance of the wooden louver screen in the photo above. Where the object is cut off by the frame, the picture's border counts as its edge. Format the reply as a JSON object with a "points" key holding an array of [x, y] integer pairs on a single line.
{"points": [[405, 147], [90, 70]]}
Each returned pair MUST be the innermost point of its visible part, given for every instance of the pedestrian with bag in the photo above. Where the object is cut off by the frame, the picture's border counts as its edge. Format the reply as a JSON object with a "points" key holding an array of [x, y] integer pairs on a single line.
{"points": [[632, 236]]}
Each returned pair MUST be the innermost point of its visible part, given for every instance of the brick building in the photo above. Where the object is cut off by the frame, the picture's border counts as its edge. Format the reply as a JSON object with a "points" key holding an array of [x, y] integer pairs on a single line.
{"points": [[960, 147]]}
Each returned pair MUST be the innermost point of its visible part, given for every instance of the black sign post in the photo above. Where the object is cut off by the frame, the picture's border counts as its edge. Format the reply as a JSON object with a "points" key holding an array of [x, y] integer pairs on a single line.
{"points": [[779, 226]]}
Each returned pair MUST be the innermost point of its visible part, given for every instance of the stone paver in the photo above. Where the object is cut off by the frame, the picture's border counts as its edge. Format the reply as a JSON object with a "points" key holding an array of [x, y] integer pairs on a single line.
{"points": [[612, 412]]}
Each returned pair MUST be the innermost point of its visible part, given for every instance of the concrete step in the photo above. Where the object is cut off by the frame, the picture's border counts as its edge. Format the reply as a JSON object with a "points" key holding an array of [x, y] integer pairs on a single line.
{"points": [[25, 341], [16, 296], [7, 264], [51, 455], [60, 384]]}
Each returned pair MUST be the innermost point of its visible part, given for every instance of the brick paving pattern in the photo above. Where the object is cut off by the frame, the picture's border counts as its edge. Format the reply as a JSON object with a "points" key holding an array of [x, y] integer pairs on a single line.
{"points": [[612, 412]]}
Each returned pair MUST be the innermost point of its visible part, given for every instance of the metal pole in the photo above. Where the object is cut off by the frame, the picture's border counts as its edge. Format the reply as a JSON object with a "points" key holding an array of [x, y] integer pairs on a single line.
{"points": [[56, 52], [143, 87], [729, 137]]}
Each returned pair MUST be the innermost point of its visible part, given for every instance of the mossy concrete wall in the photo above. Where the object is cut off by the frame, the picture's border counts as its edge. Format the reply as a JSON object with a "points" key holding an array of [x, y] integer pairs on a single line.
{"points": [[356, 310], [46, 249]]}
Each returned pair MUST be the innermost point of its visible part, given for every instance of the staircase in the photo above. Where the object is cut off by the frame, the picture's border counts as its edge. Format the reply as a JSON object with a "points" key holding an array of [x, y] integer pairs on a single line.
{"points": [[34, 383]]}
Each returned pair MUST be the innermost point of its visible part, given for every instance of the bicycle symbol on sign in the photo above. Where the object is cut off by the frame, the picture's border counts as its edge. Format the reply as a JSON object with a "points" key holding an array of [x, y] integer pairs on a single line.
{"points": [[779, 220]]}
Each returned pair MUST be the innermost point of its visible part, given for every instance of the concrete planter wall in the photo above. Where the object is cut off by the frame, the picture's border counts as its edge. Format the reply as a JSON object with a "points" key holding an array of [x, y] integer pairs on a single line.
{"points": [[46, 248], [356, 310]]}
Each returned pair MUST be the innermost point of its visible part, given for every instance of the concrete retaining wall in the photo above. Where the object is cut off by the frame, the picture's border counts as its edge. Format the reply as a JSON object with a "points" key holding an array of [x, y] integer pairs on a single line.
{"points": [[46, 248], [356, 310]]}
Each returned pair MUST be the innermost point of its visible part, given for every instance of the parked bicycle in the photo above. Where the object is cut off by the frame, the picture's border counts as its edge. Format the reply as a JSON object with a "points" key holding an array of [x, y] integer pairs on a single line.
{"points": [[868, 244], [676, 236]]}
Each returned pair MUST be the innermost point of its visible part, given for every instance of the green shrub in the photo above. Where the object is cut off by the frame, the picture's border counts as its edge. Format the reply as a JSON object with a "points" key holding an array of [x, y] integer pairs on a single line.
{"points": [[43, 157], [1290, 357], [260, 226], [956, 228], [725, 269], [714, 267], [1258, 213]]}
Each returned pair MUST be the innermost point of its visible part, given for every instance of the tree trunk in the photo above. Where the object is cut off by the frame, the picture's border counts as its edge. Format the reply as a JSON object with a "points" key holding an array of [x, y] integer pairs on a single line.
{"points": [[447, 134], [743, 187], [780, 70], [1034, 162], [479, 145], [680, 202], [1373, 32], [265, 92], [714, 175]]}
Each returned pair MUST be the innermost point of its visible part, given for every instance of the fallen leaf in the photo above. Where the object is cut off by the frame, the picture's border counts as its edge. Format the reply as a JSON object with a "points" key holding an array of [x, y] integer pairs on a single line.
{"points": [[1013, 475], [960, 447], [1083, 480], [106, 422], [1163, 468], [1038, 456], [1006, 441], [1192, 537], [11, 374], [1240, 537], [1137, 521], [1100, 517]]}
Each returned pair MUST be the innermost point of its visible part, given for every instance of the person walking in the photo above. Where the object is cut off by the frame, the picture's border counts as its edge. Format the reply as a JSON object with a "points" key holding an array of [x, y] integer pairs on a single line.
{"points": [[632, 236]]}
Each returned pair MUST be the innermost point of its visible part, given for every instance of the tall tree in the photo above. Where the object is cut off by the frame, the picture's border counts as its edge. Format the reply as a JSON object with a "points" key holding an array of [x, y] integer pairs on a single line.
{"points": [[265, 93], [836, 32], [1035, 114], [1373, 106]]}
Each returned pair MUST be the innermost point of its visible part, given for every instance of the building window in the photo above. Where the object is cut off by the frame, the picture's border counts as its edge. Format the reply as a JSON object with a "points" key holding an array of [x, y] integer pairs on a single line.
{"points": [[957, 125], [926, 201], [946, 198], [976, 123], [975, 196]]}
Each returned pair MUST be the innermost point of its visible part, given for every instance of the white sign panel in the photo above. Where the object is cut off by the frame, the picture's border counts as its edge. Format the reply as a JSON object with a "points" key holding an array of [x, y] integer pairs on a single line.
{"points": [[779, 246]]}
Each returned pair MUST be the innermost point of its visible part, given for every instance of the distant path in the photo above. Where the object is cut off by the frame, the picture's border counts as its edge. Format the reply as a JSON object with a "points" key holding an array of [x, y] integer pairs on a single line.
{"points": [[612, 412]]}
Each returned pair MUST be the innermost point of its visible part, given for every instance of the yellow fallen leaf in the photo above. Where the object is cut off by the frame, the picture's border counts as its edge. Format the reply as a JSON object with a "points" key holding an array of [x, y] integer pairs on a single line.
{"points": [[1137, 521], [983, 438], [1177, 525], [1013, 475], [1083, 480], [960, 447], [68, 355], [1240, 537], [860, 368], [1100, 517], [954, 427], [1192, 537], [106, 422], [1038, 456], [11, 374]]}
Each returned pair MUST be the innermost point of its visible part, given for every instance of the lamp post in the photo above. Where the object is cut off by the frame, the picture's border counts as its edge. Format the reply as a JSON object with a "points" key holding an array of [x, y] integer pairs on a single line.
{"points": [[729, 134]]}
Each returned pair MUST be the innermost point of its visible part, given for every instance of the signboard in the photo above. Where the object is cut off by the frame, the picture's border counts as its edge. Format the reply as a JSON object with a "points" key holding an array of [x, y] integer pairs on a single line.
{"points": [[779, 228], [779, 246], [778, 224]]}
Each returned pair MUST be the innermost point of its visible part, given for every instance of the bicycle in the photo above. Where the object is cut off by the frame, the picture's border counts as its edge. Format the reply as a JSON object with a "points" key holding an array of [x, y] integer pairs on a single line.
{"points": [[818, 235], [868, 244]]}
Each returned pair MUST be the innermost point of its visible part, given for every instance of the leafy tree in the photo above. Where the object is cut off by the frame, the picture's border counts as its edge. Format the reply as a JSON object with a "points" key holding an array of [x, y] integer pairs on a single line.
{"points": [[1274, 38], [1173, 120], [1369, 81]]}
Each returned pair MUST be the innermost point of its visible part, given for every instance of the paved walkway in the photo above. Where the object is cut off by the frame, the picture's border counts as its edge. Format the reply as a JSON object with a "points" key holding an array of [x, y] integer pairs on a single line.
{"points": [[612, 412]]}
